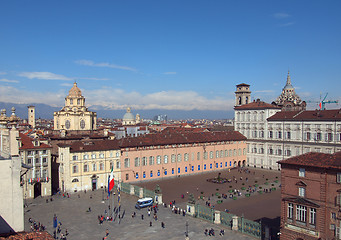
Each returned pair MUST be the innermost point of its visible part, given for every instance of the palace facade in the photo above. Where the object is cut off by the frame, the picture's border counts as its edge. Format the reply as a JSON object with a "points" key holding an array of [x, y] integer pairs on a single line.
{"points": [[86, 165], [275, 133]]}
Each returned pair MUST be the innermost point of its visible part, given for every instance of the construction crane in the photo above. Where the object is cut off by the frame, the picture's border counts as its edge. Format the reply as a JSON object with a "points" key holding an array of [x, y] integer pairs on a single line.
{"points": [[323, 101]]}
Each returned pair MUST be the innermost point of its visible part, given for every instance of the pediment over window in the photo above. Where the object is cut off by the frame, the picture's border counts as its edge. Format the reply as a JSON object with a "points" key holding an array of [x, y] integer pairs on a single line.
{"points": [[301, 201], [301, 184]]}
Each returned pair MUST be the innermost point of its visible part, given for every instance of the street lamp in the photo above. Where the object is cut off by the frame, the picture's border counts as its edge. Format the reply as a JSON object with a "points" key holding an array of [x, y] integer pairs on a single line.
{"points": [[186, 229]]}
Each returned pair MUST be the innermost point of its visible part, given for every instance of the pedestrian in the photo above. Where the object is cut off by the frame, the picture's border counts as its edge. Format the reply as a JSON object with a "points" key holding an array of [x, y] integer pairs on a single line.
{"points": [[142, 216], [162, 224], [150, 224]]}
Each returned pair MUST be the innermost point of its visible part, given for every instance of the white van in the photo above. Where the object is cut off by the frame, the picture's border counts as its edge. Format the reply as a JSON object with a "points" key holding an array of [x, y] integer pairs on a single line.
{"points": [[144, 202]]}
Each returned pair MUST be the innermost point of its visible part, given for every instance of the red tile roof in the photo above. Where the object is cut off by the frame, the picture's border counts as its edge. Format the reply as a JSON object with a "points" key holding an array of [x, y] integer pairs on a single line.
{"points": [[88, 146], [27, 143], [163, 138], [256, 105], [308, 115], [183, 130], [26, 235], [315, 159]]}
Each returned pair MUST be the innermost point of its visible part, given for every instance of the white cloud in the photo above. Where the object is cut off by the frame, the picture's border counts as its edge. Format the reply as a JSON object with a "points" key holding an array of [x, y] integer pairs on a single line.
{"points": [[3, 73], [168, 100], [44, 75], [16, 95], [8, 81], [281, 15], [169, 73], [96, 79], [53, 76], [114, 98], [104, 64], [66, 84], [264, 91], [287, 24]]}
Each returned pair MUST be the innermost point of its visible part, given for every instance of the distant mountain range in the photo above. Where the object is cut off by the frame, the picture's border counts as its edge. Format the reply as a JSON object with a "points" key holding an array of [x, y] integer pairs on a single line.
{"points": [[46, 112]]}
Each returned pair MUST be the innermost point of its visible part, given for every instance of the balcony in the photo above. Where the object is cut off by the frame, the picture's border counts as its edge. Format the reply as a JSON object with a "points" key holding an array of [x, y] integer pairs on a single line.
{"points": [[35, 180]]}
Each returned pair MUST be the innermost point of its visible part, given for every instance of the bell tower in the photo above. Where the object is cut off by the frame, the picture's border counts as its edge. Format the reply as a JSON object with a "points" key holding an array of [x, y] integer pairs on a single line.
{"points": [[243, 94], [32, 116]]}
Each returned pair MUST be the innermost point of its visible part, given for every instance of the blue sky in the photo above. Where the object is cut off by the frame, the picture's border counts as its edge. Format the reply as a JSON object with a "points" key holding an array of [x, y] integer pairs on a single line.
{"points": [[174, 55]]}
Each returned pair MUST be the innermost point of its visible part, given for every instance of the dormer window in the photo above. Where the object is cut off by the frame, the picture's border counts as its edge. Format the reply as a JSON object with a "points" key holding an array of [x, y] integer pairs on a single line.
{"points": [[71, 101], [301, 172], [36, 143]]}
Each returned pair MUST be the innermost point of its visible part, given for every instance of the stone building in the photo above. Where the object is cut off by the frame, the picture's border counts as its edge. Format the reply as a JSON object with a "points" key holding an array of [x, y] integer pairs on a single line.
{"points": [[35, 154], [11, 201], [74, 115], [86, 165], [311, 196], [274, 134]]}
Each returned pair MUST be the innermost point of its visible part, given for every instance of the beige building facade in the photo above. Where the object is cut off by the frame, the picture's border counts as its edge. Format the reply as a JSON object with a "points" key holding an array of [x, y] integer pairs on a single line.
{"points": [[86, 165], [74, 115], [36, 155]]}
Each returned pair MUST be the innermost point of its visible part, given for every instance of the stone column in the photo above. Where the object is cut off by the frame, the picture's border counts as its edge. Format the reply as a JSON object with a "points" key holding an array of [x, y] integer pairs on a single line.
{"points": [[235, 223], [141, 193], [217, 217], [190, 209], [132, 190]]}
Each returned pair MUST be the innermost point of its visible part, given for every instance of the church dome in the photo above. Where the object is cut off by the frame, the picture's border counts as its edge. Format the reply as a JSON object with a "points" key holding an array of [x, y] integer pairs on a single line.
{"points": [[128, 116], [75, 91]]}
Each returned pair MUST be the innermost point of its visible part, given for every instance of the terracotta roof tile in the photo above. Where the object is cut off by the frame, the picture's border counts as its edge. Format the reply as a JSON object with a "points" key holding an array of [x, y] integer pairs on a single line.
{"points": [[27, 143], [26, 235], [315, 159], [256, 105], [165, 138], [98, 145], [308, 115]]}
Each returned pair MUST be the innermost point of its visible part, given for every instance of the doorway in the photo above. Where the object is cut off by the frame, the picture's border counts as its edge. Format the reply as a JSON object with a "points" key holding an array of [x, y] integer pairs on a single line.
{"points": [[37, 189]]}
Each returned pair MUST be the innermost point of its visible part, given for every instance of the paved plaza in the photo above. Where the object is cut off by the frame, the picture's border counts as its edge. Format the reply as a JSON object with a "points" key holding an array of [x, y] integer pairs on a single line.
{"points": [[255, 207], [81, 224]]}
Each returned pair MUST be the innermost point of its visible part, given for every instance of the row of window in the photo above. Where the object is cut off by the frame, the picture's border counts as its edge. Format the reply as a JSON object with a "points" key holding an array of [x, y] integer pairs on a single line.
{"points": [[94, 156], [308, 136], [86, 167], [185, 170], [37, 160], [36, 152], [277, 150], [255, 116], [38, 173], [301, 214], [178, 158]]}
